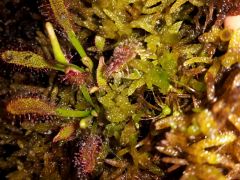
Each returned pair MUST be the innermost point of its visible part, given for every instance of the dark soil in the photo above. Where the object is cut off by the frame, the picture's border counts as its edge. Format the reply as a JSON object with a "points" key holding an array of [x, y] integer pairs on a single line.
{"points": [[19, 20]]}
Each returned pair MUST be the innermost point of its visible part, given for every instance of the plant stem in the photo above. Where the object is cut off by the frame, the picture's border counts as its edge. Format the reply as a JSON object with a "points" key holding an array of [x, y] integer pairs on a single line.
{"points": [[76, 44], [57, 51], [72, 113]]}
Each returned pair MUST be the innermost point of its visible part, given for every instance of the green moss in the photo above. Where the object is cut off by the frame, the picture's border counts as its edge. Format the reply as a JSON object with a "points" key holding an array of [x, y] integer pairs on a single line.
{"points": [[147, 97]]}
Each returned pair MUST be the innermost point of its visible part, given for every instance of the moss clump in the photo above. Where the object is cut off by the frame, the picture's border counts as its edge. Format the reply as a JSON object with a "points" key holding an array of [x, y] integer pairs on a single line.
{"points": [[156, 93]]}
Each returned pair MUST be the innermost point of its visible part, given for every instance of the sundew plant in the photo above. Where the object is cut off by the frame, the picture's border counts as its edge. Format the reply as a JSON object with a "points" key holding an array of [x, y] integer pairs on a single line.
{"points": [[125, 89]]}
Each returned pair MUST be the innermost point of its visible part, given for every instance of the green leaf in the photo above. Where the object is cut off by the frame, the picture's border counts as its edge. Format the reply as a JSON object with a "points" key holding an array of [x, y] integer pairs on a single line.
{"points": [[88, 62], [169, 63], [107, 100], [197, 85], [115, 114], [85, 122], [57, 51], [232, 56], [114, 129], [121, 110], [197, 2], [86, 94], [99, 42], [72, 113], [146, 22], [153, 75], [176, 6], [76, 43], [129, 135], [134, 75], [63, 18], [65, 133], [159, 78], [101, 80], [193, 60], [135, 85], [27, 59]]}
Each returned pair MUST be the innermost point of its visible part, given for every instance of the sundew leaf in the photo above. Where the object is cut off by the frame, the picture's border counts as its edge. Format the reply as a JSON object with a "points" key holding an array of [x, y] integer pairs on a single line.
{"points": [[65, 133], [29, 105], [27, 59], [63, 18], [61, 14]]}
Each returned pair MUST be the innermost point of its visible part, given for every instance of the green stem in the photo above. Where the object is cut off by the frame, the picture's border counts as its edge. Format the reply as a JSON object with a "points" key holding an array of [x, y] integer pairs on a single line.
{"points": [[57, 51], [86, 94], [59, 67], [75, 67], [72, 113], [77, 45]]}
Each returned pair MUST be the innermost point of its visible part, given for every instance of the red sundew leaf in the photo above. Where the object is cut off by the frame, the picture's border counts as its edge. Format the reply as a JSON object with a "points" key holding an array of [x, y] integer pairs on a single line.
{"points": [[78, 78], [85, 159], [30, 105], [122, 54]]}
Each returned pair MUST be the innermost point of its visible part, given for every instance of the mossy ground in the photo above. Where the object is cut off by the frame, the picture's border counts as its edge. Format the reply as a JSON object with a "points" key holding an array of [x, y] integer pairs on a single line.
{"points": [[146, 89]]}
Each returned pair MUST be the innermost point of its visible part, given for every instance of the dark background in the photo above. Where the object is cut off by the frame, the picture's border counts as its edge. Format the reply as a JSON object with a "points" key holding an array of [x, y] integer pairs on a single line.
{"points": [[19, 20]]}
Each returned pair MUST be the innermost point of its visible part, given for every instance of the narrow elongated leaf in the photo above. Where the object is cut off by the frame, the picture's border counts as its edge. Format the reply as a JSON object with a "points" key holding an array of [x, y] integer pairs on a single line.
{"points": [[26, 58], [29, 105]]}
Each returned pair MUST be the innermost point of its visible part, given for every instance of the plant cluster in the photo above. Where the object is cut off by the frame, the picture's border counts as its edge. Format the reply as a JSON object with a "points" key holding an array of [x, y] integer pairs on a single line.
{"points": [[125, 89]]}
